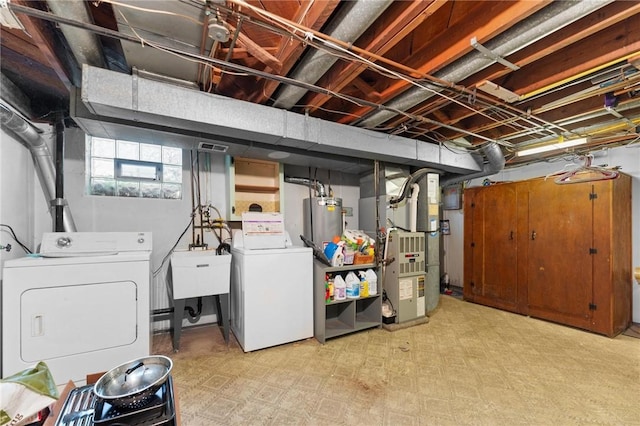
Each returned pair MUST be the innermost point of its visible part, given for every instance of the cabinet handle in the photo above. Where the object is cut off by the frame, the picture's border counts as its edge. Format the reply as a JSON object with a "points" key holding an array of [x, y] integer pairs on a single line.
{"points": [[533, 235], [511, 235]]}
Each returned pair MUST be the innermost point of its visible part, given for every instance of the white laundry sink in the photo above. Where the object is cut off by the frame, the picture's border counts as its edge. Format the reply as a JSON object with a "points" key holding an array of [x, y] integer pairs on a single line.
{"points": [[200, 273]]}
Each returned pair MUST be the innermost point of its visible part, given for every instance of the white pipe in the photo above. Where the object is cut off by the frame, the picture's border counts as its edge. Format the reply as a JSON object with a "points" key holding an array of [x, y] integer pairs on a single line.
{"points": [[413, 207]]}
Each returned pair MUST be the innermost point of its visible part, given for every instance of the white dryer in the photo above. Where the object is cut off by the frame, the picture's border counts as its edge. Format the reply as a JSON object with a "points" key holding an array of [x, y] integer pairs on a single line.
{"points": [[81, 305]]}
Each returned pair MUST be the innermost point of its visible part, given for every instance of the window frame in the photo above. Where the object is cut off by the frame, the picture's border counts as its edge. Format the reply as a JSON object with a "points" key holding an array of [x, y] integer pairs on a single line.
{"points": [[165, 187], [119, 162]]}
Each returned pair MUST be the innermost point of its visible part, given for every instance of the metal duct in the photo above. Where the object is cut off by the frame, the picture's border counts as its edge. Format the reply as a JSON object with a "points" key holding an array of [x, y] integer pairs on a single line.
{"points": [[83, 43], [546, 21], [43, 161], [112, 103], [495, 163], [353, 19], [408, 184], [319, 186]]}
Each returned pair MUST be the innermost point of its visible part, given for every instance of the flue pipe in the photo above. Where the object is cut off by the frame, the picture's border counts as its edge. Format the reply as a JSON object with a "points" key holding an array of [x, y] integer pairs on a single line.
{"points": [[45, 168], [319, 187]]}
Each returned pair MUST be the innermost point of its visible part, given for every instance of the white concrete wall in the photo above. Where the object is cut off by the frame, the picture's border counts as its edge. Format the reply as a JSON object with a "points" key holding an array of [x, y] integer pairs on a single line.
{"points": [[627, 158], [166, 219]]}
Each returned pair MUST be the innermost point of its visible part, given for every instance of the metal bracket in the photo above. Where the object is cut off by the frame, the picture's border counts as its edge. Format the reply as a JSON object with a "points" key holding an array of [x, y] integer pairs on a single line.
{"points": [[58, 202], [480, 48], [8, 18]]}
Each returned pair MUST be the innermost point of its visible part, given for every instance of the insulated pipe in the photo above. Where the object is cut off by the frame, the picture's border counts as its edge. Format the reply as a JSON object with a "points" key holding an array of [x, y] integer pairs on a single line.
{"points": [[84, 44], [353, 19], [43, 161], [319, 187], [495, 163], [413, 207], [546, 21]]}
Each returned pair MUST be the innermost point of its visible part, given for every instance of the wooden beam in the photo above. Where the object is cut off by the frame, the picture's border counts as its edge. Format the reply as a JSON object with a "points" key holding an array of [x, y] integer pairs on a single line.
{"points": [[604, 18], [312, 14], [599, 50], [489, 20], [394, 31], [257, 51], [43, 40], [366, 88], [243, 53]]}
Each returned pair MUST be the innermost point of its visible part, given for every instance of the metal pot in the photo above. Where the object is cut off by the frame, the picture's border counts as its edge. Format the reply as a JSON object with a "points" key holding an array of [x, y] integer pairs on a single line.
{"points": [[132, 384]]}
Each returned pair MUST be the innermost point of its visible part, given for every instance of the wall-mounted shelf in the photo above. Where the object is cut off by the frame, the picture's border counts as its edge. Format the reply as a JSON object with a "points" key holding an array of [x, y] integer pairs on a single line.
{"points": [[254, 182]]}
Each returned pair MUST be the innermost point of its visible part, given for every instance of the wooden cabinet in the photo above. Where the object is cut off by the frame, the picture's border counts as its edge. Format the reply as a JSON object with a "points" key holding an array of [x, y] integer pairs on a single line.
{"points": [[493, 225], [254, 184], [556, 252], [340, 317]]}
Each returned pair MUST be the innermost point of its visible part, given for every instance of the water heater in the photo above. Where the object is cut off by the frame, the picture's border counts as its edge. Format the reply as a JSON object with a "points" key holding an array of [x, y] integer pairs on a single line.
{"points": [[322, 218]]}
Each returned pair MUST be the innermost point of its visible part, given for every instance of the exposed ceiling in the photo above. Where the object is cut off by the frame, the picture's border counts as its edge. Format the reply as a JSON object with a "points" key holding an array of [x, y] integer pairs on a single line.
{"points": [[457, 74]]}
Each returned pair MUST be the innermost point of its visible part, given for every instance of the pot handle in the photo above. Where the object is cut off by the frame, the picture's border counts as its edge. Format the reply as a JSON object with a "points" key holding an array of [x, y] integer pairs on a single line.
{"points": [[129, 371]]}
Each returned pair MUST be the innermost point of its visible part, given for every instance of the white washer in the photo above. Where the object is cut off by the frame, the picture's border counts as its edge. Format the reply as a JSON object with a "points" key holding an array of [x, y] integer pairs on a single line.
{"points": [[82, 305], [271, 294]]}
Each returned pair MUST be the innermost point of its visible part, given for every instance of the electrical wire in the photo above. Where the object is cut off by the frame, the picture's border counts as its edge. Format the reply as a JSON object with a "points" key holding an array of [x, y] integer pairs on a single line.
{"points": [[372, 65], [15, 238], [166, 257]]}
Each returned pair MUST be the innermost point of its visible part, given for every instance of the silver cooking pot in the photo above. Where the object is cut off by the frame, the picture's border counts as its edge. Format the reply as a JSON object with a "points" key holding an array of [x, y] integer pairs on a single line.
{"points": [[132, 384]]}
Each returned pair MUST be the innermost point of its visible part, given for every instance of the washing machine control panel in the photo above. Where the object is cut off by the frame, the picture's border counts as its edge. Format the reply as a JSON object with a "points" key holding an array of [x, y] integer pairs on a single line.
{"points": [[79, 243]]}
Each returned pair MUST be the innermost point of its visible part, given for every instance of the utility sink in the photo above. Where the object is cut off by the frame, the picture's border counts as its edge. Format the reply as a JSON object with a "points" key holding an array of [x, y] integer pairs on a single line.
{"points": [[200, 273]]}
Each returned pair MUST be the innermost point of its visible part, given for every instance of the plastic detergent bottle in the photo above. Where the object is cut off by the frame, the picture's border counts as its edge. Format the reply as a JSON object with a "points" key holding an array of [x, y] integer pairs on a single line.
{"points": [[364, 284], [353, 285], [372, 278], [339, 288]]}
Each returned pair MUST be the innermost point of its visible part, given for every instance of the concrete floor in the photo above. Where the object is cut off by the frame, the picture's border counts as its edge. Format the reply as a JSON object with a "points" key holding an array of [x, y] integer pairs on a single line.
{"points": [[469, 364]]}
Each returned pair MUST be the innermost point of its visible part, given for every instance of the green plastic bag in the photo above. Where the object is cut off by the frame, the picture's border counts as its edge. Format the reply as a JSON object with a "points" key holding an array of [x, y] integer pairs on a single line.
{"points": [[25, 393]]}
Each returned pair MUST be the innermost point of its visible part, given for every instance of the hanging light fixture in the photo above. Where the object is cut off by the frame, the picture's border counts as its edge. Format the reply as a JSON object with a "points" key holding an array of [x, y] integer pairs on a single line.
{"points": [[562, 143]]}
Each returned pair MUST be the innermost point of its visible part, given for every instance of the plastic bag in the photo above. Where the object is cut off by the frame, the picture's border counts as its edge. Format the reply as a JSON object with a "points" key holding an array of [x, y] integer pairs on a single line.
{"points": [[25, 393]]}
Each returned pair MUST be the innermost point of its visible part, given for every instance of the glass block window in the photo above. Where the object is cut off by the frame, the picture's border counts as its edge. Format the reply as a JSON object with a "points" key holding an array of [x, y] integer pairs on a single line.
{"points": [[132, 169]]}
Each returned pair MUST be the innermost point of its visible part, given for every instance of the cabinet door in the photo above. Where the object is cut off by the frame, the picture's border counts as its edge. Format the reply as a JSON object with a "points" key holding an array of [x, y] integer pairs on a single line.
{"points": [[491, 266], [560, 277]]}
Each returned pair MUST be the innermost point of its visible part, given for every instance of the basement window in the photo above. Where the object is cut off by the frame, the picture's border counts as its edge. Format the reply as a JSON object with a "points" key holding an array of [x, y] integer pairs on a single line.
{"points": [[119, 168]]}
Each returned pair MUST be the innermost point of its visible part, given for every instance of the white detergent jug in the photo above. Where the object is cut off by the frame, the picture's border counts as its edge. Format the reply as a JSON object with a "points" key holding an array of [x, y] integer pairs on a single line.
{"points": [[339, 288], [353, 285], [372, 278]]}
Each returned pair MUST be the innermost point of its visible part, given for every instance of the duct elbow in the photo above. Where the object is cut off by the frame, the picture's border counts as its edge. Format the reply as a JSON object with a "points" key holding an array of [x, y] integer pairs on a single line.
{"points": [[494, 162]]}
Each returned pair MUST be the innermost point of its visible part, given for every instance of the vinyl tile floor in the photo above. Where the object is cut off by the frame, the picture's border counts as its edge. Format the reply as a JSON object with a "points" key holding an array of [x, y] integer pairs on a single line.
{"points": [[469, 365]]}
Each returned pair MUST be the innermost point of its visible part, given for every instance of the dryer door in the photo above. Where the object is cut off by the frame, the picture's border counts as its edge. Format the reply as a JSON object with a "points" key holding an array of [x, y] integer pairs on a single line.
{"points": [[70, 320]]}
